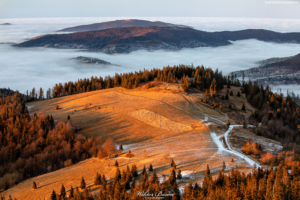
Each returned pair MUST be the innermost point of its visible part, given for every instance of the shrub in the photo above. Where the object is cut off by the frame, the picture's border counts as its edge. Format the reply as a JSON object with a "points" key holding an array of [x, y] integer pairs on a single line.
{"points": [[251, 148], [268, 158]]}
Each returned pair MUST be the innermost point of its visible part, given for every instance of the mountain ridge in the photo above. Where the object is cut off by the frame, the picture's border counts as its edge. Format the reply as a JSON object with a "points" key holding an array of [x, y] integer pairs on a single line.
{"points": [[118, 24]]}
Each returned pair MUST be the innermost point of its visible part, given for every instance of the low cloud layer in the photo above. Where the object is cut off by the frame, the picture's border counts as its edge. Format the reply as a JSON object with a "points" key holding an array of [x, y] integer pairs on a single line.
{"points": [[24, 68]]}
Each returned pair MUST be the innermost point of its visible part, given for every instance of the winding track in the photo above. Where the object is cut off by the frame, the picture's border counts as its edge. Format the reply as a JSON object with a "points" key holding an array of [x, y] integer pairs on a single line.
{"points": [[221, 147]]}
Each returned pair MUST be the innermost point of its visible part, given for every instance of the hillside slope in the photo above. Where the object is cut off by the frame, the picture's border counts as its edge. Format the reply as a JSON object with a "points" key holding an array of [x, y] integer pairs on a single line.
{"points": [[127, 39], [118, 24], [286, 71]]}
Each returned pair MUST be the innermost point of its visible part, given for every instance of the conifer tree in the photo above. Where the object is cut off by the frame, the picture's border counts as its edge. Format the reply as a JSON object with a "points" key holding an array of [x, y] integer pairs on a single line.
{"points": [[172, 178], [173, 164], [97, 180], [154, 178], [116, 164], [243, 108], [82, 183], [62, 191], [121, 147], [71, 192], [150, 168], [34, 185], [179, 176], [207, 171], [134, 171], [53, 195], [117, 175], [144, 170], [133, 183], [86, 194], [103, 180], [226, 97], [176, 194], [223, 166]]}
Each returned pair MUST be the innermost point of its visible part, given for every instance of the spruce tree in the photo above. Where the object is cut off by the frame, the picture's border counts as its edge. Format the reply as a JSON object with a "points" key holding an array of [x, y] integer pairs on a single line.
{"points": [[154, 178], [116, 164], [121, 147], [34, 185], [82, 183], [69, 117], [179, 176], [223, 166], [207, 171], [103, 180], [63, 191], [97, 180], [53, 195], [243, 108], [172, 177], [86, 194], [226, 97], [71, 192], [150, 168], [176, 194], [144, 170], [117, 175]]}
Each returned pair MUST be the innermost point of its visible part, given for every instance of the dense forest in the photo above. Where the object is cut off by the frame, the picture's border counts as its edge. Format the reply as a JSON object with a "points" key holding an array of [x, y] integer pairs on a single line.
{"points": [[33, 145], [260, 184], [5, 92], [279, 115], [197, 77]]}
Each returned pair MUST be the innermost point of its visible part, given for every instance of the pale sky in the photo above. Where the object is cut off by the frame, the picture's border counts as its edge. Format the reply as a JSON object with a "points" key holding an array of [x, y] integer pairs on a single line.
{"points": [[150, 8]]}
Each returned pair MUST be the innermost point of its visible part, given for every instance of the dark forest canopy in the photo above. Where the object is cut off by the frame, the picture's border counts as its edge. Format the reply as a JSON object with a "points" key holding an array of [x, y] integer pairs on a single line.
{"points": [[38, 144], [194, 77], [278, 115]]}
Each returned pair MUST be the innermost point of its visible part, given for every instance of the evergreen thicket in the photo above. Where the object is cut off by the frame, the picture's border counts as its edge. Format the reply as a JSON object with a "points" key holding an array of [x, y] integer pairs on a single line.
{"points": [[279, 116], [190, 77], [34, 145], [261, 184]]}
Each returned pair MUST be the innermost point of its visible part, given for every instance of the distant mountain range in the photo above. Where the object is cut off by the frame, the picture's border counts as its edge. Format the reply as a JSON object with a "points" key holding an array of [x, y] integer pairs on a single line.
{"points": [[276, 71], [6, 24], [118, 24], [172, 37], [128, 39]]}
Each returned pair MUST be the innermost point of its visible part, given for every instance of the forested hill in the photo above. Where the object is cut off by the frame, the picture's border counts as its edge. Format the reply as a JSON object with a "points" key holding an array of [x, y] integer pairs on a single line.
{"points": [[258, 34], [277, 73], [127, 39], [118, 24]]}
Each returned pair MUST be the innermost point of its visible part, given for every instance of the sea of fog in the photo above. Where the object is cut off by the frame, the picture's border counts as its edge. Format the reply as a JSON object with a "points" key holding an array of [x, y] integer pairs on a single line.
{"points": [[24, 68]]}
